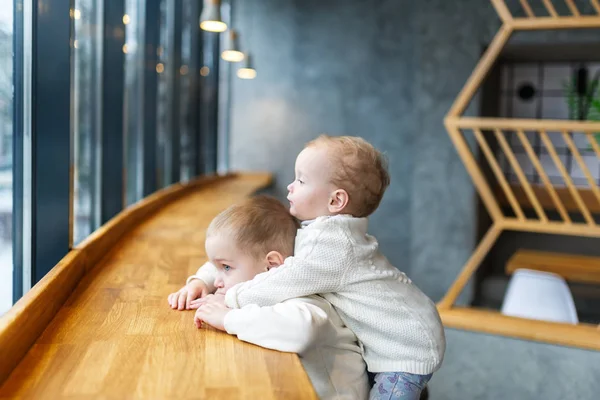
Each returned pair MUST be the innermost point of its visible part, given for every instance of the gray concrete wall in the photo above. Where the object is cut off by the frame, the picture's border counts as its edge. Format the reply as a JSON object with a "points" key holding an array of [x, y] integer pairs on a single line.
{"points": [[486, 367], [344, 67]]}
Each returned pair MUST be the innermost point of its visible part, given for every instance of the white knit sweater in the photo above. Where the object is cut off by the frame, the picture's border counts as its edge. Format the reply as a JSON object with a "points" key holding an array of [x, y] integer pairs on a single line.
{"points": [[398, 325]]}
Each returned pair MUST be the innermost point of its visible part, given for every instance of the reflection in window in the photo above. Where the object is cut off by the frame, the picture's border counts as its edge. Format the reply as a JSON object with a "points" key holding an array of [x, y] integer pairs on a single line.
{"points": [[134, 98], [86, 112], [6, 138], [186, 86], [209, 73], [163, 107]]}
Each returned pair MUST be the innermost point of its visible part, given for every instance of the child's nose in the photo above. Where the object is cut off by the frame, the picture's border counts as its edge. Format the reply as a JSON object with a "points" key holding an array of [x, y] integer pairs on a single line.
{"points": [[290, 186], [219, 283]]}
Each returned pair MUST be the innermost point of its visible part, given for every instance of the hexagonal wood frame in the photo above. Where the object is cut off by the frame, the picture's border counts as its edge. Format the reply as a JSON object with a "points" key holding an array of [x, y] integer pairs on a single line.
{"points": [[581, 335]]}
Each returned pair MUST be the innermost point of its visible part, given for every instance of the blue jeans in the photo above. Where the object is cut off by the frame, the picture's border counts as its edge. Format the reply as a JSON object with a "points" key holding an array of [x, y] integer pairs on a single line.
{"points": [[398, 386]]}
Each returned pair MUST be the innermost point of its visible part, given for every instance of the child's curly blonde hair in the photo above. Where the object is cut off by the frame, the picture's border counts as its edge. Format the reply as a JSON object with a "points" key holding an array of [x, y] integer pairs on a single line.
{"points": [[358, 168]]}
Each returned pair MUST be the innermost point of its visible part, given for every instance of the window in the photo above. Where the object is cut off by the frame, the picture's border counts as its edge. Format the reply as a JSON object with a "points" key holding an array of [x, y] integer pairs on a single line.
{"points": [[187, 87], [163, 123], [59, 117], [134, 99], [6, 153], [86, 115], [209, 109]]}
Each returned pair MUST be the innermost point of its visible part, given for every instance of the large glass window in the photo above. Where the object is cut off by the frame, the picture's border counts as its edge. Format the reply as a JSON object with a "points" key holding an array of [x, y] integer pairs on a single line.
{"points": [[168, 133], [209, 109], [6, 163], [163, 107], [86, 111], [186, 89], [134, 99]]}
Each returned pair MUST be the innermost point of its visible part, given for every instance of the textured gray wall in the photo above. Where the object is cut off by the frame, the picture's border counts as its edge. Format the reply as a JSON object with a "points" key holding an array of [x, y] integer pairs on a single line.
{"points": [[486, 367], [338, 67], [384, 70], [388, 71], [451, 38]]}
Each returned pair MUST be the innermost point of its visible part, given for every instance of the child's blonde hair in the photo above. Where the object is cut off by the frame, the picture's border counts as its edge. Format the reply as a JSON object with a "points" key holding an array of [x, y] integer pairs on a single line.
{"points": [[258, 225], [358, 168]]}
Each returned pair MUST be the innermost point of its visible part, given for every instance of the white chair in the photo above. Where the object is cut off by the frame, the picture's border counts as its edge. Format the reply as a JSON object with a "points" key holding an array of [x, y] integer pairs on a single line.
{"points": [[539, 295]]}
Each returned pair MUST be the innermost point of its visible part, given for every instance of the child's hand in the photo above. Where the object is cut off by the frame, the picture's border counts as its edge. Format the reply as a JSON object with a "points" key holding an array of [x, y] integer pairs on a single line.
{"points": [[211, 298], [182, 299], [213, 314]]}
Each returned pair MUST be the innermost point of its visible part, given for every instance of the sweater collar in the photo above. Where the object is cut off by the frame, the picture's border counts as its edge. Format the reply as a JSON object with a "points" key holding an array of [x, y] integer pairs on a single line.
{"points": [[306, 223], [356, 224]]}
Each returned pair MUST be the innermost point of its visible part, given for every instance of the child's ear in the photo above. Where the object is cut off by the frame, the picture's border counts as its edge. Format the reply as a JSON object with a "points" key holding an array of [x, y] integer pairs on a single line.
{"points": [[274, 259], [338, 201]]}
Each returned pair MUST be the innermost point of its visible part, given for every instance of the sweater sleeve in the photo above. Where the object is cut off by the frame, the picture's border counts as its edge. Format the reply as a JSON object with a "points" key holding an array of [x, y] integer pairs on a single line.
{"points": [[206, 273], [319, 266], [292, 326]]}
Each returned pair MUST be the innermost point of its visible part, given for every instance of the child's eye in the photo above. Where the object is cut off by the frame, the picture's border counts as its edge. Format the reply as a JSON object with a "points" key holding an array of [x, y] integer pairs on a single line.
{"points": [[300, 181], [226, 267]]}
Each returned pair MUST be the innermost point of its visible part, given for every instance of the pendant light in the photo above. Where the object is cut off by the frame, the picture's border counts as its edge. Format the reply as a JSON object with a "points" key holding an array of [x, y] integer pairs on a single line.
{"points": [[232, 51], [210, 19], [247, 71]]}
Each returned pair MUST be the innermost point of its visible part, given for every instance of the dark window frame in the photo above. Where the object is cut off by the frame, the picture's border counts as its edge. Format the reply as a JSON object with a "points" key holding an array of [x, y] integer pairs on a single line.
{"points": [[50, 212]]}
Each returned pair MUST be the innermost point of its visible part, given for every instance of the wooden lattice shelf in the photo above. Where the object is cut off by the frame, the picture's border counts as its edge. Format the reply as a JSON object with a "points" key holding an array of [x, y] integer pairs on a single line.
{"points": [[577, 219], [552, 18]]}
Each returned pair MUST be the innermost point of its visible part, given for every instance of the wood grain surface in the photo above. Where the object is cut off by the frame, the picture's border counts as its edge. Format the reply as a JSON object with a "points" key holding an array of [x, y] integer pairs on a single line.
{"points": [[115, 336]]}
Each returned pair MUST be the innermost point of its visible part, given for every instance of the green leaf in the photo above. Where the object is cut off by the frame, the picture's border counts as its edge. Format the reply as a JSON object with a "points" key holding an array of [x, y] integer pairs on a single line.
{"points": [[596, 104]]}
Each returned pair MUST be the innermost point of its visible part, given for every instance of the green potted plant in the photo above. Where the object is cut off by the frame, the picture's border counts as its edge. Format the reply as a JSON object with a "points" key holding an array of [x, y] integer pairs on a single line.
{"points": [[583, 98]]}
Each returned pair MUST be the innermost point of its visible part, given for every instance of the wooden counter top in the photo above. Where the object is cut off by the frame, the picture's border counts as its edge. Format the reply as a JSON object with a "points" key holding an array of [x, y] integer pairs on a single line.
{"points": [[115, 337]]}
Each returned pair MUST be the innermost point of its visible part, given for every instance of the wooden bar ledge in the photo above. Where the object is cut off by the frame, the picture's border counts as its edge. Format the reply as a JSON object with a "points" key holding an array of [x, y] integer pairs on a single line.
{"points": [[99, 325]]}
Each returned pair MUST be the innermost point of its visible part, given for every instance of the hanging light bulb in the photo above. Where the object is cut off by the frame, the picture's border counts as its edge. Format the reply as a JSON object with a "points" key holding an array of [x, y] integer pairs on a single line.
{"points": [[210, 19], [232, 51], [247, 71]]}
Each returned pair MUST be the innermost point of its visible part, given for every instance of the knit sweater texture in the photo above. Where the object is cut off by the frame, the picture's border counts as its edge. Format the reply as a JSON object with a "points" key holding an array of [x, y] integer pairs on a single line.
{"points": [[397, 325]]}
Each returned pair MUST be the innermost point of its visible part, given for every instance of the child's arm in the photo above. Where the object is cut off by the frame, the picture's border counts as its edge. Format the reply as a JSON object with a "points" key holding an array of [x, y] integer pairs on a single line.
{"points": [[318, 267], [293, 326], [197, 286]]}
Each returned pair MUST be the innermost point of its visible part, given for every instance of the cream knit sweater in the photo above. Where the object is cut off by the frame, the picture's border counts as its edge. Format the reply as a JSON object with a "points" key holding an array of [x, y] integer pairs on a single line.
{"points": [[398, 325]]}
